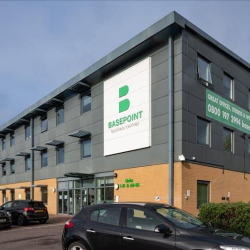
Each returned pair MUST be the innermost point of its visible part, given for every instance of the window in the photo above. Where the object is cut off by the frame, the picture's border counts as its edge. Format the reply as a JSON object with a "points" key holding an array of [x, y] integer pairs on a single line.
{"points": [[44, 192], [12, 139], [12, 167], [227, 140], [86, 148], [12, 195], [60, 155], [109, 216], [204, 72], [44, 159], [27, 194], [142, 219], [203, 131], [60, 116], [3, 169], [44, 123], [105, 189], [27, 132], [228, 86], [27, 163], [202, 193], [3, 143], [4, 197], [86, 103]]}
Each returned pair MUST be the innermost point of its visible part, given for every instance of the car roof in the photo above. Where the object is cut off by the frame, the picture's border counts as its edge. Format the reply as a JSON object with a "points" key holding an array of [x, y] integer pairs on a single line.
{"points": [[28, 201], [139, 204]]}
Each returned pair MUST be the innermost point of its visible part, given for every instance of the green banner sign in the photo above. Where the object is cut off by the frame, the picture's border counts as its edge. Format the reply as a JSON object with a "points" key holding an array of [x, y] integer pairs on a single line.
{"points": [[222, 110]]}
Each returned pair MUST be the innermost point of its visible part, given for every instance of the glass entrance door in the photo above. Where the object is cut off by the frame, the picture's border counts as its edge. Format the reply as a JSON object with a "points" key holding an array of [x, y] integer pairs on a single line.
{"points": [[63, 202]]}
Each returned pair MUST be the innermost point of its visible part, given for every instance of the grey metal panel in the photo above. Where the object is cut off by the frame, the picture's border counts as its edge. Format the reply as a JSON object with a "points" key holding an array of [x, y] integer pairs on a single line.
{"points": [[159, 89], [160, 72]]}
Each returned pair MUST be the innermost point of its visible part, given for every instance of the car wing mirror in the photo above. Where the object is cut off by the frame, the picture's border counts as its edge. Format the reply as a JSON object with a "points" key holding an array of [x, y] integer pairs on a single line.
{"points": [[162, 228]]}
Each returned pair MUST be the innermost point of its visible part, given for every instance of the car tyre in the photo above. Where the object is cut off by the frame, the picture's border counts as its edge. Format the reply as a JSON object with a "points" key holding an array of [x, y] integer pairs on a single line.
{"points": [[43, 221], [7, 227], [77, 246], [21, 221]]}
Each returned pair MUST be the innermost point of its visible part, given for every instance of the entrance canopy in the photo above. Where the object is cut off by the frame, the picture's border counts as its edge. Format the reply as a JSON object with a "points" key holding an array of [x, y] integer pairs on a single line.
{"points": [[79, 175]]}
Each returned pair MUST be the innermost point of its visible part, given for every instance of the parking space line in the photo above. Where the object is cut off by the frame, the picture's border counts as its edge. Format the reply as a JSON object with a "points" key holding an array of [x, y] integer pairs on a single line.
{"points": [[30, 228]]}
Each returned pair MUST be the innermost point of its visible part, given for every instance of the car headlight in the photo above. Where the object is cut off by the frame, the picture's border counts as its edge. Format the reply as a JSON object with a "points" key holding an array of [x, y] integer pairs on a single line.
{"points": [[9, 214], [234, 248]]}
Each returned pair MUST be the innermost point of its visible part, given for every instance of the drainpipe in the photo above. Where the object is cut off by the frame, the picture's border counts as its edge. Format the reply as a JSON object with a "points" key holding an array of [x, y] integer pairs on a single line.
{"points": [[32, 159], [171, 120]]}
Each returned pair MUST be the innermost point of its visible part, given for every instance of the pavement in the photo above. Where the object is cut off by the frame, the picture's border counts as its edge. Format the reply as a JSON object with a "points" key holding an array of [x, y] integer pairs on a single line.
{"points": [[34, 235]]}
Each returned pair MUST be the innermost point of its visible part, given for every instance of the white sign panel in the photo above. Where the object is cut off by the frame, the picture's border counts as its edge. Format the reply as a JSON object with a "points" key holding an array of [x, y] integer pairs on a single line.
{"points": [[127, 109]]}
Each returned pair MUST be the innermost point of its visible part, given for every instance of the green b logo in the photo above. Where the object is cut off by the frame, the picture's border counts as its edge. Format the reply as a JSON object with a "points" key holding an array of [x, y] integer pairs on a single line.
{"points": [[124, 104]]}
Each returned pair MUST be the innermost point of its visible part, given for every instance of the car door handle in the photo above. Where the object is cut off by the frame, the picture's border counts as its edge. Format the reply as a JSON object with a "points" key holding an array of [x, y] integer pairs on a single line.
{"points": [[90, 231], [128, 238]]}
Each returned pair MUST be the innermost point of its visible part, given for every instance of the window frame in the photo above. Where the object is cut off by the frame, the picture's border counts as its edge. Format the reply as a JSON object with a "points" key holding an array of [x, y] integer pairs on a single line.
{"points": [[44, 118], [209, 132], [82, 102], [26, 163], [4, 169], [4, 143], [232, 86], [232, 140], [42, 153], [27, 128], [57, 155], [57, 114], [12, 139], [208, 183], [82, 148], [198, 70]]}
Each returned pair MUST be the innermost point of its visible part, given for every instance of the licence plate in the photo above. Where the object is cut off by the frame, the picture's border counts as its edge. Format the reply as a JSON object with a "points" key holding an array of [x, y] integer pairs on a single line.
{"points": [[2, 220], [39, 211]]}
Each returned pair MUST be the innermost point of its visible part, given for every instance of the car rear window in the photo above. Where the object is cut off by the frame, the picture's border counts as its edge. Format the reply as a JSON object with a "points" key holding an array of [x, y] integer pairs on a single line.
{"points": [[36, 204]]}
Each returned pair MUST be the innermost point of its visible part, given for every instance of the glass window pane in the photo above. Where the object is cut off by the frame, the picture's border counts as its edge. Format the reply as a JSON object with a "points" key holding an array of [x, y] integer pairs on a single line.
{"points": [[3, 143], [63, 185], [110, 216], [227, 140], [60, 116], [204, 70], [109, 194], [12, 139], [203, 134], [94, 215], [12, 168], [89, 183], [86, 103], [202, 193], [109, 181], [27, 163], [86, 148], [60, 155], [27, 192], [3, 169], [44, 124], [99, 195], [44, 192], [27, 132], [142, 220], [100, 182], [44, 158], [228, 86], [249, 99]]}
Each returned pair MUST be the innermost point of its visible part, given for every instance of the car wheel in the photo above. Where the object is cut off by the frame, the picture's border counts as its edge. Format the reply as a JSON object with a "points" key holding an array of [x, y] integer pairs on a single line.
{"points": [[43, 221], [21, 220], [77, 246], [8, 227]]}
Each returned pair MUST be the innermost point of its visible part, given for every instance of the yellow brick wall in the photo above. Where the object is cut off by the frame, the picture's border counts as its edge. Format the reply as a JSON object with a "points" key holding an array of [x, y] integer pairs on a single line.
{"points": [[20, 193], [153, 182], [221, 182]]}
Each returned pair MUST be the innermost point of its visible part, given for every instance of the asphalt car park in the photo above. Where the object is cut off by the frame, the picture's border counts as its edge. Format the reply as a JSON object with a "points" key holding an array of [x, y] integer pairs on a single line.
{"points": [[34, 235]]}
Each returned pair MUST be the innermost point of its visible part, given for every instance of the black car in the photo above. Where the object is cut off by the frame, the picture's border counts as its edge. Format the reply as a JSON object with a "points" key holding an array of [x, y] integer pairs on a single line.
{"points": [[144, 226], [23, 211], [5, 219]]}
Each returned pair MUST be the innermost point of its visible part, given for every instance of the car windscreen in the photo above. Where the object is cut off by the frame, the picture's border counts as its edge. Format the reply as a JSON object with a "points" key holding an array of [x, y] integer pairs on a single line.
{"points": [[179, 218]]}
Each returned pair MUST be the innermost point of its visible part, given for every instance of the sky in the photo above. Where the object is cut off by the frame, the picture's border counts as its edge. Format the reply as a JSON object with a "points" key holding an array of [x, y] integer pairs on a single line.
{"points": [[43, 44]]}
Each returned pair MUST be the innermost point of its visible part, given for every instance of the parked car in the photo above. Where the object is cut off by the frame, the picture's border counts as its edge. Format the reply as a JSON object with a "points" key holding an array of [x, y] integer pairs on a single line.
{"points": [[5, 219], [147, 226], [23, 211]]}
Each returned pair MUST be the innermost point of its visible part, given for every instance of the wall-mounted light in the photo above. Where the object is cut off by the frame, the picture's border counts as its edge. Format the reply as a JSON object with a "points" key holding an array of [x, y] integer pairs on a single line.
{"points": [[116, 186], [53, 190], [182, 158], [115, 175]]}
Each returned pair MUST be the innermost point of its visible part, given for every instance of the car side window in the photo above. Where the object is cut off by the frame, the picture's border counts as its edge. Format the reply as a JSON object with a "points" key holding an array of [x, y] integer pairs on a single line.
{"points": [[16, 204], [142, 220], [109, 216], [7, 205]]}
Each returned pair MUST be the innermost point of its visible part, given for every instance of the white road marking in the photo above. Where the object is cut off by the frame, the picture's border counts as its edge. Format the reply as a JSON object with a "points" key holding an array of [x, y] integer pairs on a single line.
{"points": [[30, 228]]}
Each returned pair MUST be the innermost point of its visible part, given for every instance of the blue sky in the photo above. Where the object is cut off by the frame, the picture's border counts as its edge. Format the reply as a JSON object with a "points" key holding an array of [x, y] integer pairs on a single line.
{"points": [[43, 44]]}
